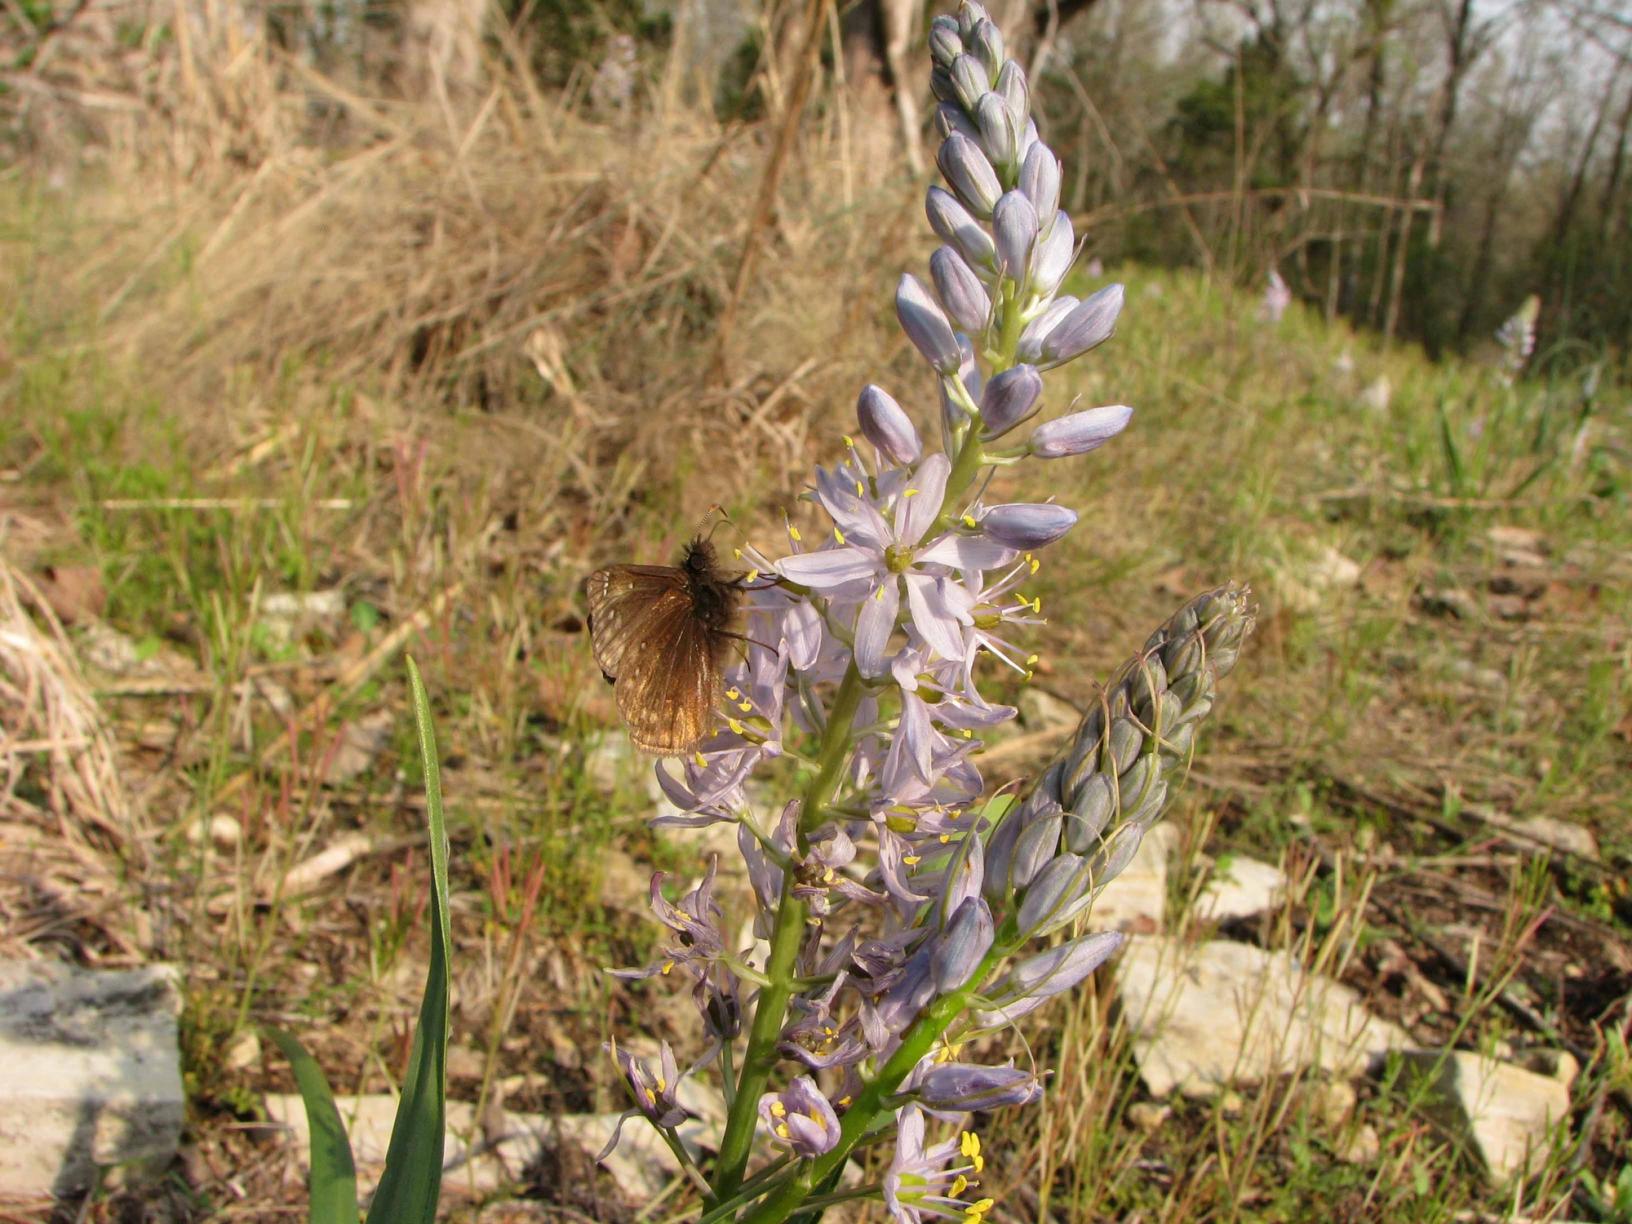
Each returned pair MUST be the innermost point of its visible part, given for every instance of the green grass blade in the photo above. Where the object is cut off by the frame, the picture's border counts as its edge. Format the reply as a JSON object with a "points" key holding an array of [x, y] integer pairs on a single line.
{"points": [[413, 1162], [333, 1190]]}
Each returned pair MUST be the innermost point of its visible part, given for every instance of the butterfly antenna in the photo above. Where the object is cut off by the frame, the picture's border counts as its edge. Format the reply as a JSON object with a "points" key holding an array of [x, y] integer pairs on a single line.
{"points": [[712, 520]]}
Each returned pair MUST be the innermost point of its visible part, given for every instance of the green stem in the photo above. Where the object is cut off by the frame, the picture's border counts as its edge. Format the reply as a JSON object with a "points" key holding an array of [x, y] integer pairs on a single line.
{"points": [[771, 1007]]}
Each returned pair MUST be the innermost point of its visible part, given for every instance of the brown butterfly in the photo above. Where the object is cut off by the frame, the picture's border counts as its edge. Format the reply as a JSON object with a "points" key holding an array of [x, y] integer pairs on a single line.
{"points": [[660, 634]]}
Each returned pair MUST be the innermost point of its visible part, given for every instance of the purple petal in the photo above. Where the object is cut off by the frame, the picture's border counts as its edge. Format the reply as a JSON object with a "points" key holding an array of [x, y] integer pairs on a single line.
{"points": [[874, 624], [914, 514], [935, 614], [802, 631], [1089, 325], [967, 553], [885, 425], [925, 325], [830, 568]]}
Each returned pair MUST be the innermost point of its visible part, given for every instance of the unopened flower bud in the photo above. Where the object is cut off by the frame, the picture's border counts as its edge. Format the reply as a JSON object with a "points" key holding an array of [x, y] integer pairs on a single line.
{"points": [[940, 84], [970, 15], [962, 945], [1040, 180], [969, 1088], [1037, 845], [1011, 83], [1060, 891], [969, 81], [1051, 257], [1029, 138], [1036, 332], [1011, 397], [1014, 230], [1036, 980], [954, 225], [999, 134], [969, 174], [987, 45], [1086, 327], [950, 117], [1080, 432], [960, 290], [944, 43], [1028, 525], [887, 426], [926, 326]]}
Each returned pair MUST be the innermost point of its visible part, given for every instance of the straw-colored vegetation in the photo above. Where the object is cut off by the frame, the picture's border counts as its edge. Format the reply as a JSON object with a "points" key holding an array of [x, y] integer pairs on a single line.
{"points": [[279, 337]]}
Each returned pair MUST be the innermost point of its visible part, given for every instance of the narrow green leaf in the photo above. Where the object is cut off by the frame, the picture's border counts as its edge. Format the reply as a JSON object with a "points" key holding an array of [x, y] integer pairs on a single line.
{"points": [[333, 1191], [413, 1162]]}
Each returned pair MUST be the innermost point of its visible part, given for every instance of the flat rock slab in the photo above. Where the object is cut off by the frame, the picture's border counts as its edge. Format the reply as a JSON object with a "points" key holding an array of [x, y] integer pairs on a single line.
{"points": [[1504, 1112], [92, 1073], [1241, 888], [1211, 1015]]}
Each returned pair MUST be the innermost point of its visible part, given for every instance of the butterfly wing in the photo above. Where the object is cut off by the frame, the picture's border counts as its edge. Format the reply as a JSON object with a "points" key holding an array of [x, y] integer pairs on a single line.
{"points": [[647, 637]]}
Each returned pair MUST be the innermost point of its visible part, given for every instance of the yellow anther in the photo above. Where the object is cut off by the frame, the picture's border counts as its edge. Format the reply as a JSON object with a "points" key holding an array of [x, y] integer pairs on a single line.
{"points": [[861, 489], [944, 838], [745, 706], [667, 967], [911, 860], [960, 1183], [969, 521], [849, 441], [778, 1109], [838, 535], [736, 553], [845, 1101], [969, 1144], [1031, 660], [651, 1097], [910, 493], [879, 594], [782, 1130], [751, 576], [662, 1084], [793, 533], [734, 693], [702, 761], [736, 727], [1036, 565]]}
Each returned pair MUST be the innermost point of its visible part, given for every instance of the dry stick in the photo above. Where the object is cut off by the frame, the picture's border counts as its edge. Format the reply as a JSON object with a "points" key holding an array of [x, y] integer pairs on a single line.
{"points": [[219, 503], [352, 679], [771, 180]]}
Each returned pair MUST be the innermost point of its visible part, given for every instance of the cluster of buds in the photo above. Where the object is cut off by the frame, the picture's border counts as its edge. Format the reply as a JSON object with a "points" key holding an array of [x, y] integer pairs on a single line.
{"points": [[897, 913]]}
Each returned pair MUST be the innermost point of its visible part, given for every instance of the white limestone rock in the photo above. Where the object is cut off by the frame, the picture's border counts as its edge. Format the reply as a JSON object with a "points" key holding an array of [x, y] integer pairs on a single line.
{"points": [[1208, 1016], [1504, 1112], [92, 1074], [1241, 888]]}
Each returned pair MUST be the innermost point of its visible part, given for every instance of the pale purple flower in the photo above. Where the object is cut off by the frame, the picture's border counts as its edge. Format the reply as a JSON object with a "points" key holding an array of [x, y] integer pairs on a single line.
{"points": [[875, 558], [1014, 228], [1277, 297], [1040, 180], [655, 1095], [999, 133], [801, 1118], [928, 1183]]}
